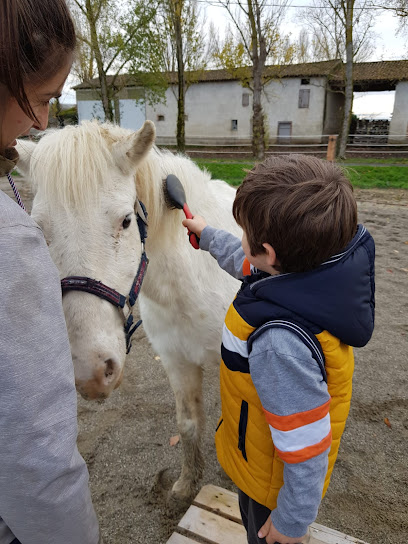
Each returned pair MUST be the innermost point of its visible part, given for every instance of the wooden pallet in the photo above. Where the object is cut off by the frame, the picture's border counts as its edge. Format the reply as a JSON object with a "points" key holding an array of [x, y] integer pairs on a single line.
{"points": [[214, 518]]}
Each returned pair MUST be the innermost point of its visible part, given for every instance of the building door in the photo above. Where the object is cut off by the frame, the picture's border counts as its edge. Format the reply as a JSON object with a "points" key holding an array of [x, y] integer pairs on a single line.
{"points": [[284, 132]]}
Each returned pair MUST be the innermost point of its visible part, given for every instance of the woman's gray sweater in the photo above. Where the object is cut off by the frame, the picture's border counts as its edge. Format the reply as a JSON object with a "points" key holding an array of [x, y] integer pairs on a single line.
{"points": [[44, 492]]}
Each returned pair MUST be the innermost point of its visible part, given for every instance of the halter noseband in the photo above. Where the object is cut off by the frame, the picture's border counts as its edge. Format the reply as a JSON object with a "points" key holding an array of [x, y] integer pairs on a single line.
{"points": [[82, 283]]}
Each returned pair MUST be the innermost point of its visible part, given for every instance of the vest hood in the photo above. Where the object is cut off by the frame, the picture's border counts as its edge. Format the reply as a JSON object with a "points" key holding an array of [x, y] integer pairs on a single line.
{"points": [[338, 296]]}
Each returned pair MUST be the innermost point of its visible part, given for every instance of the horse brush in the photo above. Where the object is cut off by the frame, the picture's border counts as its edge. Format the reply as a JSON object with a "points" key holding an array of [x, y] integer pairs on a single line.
{"points": [[175, 197]]}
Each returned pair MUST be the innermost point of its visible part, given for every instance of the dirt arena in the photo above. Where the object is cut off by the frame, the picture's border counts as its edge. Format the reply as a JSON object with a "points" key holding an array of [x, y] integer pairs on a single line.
{"points": [[125, 440]]}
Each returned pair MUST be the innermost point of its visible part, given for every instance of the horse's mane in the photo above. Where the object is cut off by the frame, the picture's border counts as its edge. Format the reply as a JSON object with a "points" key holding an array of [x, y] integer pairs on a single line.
{"points": [[150, 177], [80, 156], [71, 167]]}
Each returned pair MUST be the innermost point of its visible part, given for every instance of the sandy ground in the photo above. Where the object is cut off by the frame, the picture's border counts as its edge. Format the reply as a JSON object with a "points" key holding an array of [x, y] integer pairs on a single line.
{"points": [[125, 440]]}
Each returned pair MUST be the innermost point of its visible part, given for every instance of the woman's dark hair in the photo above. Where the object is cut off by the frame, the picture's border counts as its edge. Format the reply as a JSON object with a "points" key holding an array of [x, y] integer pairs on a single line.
{"points": [[35, 38]]}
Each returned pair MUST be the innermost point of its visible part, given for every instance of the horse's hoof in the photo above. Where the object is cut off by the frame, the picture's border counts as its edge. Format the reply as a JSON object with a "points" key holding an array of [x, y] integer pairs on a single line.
{"points": [[177, 503], [162, 483], [182, 490]]}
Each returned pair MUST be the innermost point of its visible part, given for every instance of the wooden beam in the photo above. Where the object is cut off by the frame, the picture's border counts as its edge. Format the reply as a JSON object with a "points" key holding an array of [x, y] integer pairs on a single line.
{"points": [[214, 518]]}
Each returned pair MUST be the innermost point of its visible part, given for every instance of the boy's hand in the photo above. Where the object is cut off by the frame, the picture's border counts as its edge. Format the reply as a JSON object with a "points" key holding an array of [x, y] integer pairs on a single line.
{"points": [[273, 536], [196, 225]]}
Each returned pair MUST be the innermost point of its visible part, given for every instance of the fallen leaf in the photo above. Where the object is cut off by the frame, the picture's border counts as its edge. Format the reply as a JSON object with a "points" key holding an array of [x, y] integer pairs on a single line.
{"points": [[174, 440], [387, 422], [157, 358], [404, 269], [390, 271], [406, 243], [396, 251]]}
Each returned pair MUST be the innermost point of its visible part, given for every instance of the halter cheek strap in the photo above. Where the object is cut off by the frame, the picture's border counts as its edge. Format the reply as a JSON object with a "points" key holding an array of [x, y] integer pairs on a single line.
{"points": [[89, 285]]}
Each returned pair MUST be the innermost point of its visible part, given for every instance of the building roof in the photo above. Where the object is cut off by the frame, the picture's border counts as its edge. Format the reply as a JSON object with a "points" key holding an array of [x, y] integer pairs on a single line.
{"points": [[367, 75], [375, 76]]}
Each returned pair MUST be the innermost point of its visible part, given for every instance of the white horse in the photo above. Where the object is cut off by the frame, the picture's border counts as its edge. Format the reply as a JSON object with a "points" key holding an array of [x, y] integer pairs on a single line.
{"points": [[88, 180]]}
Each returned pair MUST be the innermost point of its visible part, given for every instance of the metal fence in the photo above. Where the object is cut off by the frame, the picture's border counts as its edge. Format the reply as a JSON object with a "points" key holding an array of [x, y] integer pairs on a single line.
{"points": [[391, 145]]}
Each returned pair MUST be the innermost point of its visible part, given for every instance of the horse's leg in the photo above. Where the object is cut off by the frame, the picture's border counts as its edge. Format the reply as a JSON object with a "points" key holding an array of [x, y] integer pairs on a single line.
{"points": [[186, 382]]}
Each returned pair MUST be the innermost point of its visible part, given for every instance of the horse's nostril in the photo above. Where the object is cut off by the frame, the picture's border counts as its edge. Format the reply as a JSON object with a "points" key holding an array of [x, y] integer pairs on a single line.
{"points": [[109, 368]]}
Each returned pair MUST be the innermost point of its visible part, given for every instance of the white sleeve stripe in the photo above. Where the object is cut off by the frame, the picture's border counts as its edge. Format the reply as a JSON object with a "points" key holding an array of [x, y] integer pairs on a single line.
{"points": [[302, 437], [232, 343]]}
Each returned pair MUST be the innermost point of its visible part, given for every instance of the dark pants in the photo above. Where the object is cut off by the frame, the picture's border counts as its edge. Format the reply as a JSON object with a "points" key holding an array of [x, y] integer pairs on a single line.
{"points": [[253, 516]]}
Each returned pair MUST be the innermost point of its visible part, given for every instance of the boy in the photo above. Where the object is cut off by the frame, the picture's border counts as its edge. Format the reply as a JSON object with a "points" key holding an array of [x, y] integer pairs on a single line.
{"points": [[287, 363]]}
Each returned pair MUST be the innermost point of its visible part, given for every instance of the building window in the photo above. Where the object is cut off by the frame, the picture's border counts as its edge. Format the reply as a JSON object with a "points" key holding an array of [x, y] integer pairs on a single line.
{"points": [[234, 124], [304, 98], [305, 81], [160, 117], [245, 99]]}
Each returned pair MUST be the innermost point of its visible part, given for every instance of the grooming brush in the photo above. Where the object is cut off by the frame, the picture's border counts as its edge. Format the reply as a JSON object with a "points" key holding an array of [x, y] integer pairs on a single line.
{"points": [[176, 198]]}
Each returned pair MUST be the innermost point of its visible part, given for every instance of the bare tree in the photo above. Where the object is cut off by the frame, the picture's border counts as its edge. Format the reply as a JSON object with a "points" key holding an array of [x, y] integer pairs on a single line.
{"points": [[114, 36], [325, 23], [304, 47], [254, 40], [342, 29], [185, 50], [400, 9]]}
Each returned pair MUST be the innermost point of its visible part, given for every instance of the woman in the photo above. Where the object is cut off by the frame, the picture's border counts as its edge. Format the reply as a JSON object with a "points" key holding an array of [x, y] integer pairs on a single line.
{"points": [[44, 492]]}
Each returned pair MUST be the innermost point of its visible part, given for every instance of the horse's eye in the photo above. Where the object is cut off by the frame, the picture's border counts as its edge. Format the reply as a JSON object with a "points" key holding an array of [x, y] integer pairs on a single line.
{"points": [[126, 222]]}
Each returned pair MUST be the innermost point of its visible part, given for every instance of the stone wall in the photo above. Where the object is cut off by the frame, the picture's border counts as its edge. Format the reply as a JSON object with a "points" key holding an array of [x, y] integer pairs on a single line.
{"points": [[371, 131]]}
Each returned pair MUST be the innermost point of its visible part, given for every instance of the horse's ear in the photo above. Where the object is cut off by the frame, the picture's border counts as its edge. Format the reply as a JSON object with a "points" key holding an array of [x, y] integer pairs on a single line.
{"points": [[130, 151], [25, 150]]}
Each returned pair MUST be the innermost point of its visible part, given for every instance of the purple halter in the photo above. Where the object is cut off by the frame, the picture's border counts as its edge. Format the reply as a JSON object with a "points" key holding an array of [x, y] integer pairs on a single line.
{"points": [[89, 285]]}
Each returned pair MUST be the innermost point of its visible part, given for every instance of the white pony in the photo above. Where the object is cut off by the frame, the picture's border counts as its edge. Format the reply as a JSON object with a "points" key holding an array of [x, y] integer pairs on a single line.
{"points": [[87, 181]]}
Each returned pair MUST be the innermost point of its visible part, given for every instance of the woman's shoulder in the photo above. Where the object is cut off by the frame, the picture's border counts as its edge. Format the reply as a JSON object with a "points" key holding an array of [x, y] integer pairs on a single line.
{"points": [[12, 215]]}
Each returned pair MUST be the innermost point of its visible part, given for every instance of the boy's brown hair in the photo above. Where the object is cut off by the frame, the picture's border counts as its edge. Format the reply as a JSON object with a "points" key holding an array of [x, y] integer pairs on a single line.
{"points": [[302, 206]]}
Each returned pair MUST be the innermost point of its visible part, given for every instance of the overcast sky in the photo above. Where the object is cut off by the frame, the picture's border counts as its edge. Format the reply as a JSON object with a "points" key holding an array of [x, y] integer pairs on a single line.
{"points": [[390, 46]]}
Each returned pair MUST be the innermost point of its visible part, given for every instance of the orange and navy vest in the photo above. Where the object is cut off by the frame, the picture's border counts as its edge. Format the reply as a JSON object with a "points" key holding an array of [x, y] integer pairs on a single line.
{"points": [[243, 439]]}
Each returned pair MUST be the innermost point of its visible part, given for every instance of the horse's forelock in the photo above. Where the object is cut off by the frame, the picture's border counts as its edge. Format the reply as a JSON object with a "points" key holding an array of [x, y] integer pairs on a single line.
{"points": [[71, 164], [71, 167]]}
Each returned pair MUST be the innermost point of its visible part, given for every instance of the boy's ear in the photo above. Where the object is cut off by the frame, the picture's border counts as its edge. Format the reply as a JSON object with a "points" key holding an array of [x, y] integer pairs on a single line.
{"points": [[271, 259]]}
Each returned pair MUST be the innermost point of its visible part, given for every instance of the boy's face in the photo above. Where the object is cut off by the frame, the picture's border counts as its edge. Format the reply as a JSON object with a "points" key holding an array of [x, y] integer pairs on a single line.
{"points": [[262, 261]]}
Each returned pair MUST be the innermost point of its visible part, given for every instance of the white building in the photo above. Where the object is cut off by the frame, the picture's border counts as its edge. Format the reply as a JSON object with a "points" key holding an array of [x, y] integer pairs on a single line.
{"points": [[301, 103]]}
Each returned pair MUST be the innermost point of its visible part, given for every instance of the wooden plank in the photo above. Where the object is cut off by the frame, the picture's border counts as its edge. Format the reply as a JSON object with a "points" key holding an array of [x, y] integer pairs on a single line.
{"points": [[320, 533], [225, 503], [219, 500], [177, 538], [213, 528], [215, 518]]}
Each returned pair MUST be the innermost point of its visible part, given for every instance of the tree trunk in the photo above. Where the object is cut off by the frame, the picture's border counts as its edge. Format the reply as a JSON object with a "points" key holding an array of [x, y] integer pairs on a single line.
{"points": [[348, 90], [106, 102], [258, 129], [258, 65], [60, 118], [181, 137]]}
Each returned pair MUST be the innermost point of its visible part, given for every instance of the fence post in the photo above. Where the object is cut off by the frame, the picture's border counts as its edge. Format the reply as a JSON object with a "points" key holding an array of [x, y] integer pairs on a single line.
{"points": [[331, 148]]}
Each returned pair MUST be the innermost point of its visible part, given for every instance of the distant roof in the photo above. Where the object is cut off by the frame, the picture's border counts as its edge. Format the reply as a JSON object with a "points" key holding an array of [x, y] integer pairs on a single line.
{"points": [[380, 76], [367, 75]]}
